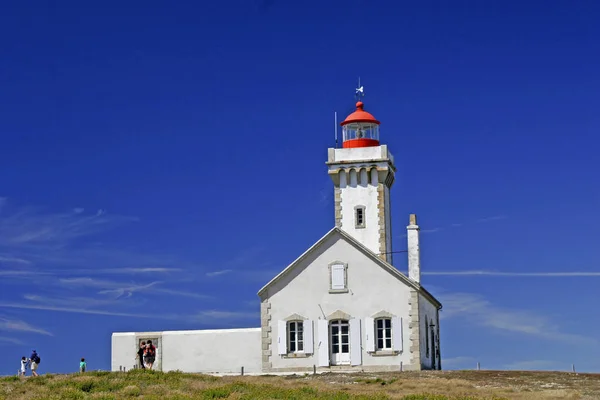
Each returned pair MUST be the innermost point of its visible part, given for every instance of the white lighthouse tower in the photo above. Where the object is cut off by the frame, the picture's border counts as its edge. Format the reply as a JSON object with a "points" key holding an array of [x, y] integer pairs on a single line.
{"points": [[363, 172]]}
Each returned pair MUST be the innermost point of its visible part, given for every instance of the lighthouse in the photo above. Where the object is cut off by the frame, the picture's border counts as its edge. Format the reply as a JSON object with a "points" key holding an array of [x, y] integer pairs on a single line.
{"points": [[363, 172]]}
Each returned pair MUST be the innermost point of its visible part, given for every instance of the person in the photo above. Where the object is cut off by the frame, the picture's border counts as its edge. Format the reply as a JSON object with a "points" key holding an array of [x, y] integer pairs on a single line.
{"points": [[140, 354], [82, 365], [24, 362], [149, 354], [35, 360]]}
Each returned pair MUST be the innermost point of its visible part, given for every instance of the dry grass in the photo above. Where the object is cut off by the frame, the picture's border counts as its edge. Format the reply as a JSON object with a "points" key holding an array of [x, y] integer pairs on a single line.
{"points": [[434, 385]]}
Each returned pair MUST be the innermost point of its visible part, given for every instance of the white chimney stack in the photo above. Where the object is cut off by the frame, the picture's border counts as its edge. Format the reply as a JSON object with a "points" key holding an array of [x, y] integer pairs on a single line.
{"points": [[414, 253]]}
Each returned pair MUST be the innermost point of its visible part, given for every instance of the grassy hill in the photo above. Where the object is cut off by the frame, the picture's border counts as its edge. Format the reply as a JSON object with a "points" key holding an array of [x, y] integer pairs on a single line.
{"points": [[434, 385]]}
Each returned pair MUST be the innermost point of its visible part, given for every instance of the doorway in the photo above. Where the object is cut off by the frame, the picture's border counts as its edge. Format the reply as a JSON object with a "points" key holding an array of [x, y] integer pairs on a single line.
{"points": [[339, 334]]}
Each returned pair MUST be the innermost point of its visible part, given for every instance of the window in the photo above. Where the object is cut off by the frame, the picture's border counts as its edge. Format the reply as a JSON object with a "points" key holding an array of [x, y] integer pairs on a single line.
{"points": [[383, 333], [359, 217], [295, 336], [338, 279]]}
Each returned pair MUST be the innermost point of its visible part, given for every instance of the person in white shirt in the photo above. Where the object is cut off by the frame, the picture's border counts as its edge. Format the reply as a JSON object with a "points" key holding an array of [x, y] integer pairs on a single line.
{"points": [[24, 363]]}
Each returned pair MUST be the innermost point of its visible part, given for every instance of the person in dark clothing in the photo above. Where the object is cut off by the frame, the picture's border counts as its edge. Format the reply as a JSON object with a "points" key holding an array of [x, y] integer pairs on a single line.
{"points": [[149, 354], [140, 354]]}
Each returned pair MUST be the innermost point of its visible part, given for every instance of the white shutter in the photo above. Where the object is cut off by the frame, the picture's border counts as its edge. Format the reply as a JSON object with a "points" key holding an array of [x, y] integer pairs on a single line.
{"points": [[323, 333], [355, 348], [307, 327], [337, 276], [397, 333], [370, 334], [282, 337]]}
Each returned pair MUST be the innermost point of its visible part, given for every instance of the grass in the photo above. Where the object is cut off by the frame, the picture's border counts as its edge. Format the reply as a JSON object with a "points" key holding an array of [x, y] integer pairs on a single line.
{"points": [[433, 385]]}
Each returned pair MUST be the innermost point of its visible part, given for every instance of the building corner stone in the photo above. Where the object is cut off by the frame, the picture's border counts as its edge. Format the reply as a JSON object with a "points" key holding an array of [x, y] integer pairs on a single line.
{"points": [[381, 206], [266, 337], [337, 199], [414, 325]]}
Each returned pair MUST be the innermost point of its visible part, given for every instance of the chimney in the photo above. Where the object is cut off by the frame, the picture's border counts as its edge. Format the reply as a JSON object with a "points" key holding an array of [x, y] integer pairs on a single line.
{"points": [[414, 253]]}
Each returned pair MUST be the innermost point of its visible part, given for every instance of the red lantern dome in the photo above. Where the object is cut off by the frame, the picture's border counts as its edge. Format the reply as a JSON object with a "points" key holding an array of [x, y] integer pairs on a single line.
{"points": [[360, 129]]}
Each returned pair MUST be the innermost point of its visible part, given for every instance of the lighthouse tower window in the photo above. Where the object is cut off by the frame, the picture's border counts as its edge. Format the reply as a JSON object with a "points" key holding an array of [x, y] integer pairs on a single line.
{"points": [[359, 216]]}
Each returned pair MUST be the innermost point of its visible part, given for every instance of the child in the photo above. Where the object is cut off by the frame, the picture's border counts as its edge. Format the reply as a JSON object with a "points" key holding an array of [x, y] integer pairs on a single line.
{"points": [[24, 362], [82, 365]]}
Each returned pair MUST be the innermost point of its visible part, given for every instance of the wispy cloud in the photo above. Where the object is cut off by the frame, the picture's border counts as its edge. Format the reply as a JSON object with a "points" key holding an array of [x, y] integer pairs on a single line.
{"points": [[212, 315], [83, 310], [490, 219], [532, 365], [118, 290], [477, 310], [6, 259], [4, 340], [30, 226], [69, 302], [514, 274], [460, 362], [217, 273], [20, 326], [433, 230], [458, 225]]}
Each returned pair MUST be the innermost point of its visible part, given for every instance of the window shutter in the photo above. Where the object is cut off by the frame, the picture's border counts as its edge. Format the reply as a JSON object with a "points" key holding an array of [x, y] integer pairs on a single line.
{"points": [[370, 334], [282, 337], [355, 348], [323, 332], [397, 333], [307, 327], [337, 276]]}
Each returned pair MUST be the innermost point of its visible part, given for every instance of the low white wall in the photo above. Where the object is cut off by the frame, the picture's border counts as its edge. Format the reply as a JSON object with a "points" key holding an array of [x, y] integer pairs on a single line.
{"points": [[122, 351], [205, 351]]}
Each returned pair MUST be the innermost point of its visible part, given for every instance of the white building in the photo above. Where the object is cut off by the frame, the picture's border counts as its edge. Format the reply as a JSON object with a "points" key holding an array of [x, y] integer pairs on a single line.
{"points": [[341, 305]]}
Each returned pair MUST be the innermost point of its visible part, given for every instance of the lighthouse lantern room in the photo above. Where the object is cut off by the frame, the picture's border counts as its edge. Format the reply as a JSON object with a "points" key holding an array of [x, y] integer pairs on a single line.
{"points": [[360, 129]]}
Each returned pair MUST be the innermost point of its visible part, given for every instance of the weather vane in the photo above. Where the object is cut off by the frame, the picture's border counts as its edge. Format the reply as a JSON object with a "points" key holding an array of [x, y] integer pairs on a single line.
{"points": [[359, 91]]}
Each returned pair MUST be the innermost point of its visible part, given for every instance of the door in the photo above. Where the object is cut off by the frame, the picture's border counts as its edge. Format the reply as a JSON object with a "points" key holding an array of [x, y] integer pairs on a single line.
{"points": [[340, 342]]}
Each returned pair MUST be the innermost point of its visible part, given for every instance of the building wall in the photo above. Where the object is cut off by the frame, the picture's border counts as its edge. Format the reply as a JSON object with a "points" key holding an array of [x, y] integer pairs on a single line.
{"points": [[305, 292], [204, 351], [427, 312], [358, 188], [362, 177]]}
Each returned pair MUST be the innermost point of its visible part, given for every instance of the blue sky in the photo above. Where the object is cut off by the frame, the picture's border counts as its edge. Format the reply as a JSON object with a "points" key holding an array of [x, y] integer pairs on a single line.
{"points": [[161, 161]]}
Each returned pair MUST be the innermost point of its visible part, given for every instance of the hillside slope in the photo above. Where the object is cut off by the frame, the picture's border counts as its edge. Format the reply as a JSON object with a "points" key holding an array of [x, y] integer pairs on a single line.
{"points": [[435, 385]]}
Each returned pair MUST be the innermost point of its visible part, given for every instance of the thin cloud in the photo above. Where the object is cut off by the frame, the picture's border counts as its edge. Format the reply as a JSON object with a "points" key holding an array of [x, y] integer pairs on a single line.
{"points": [[13, 260], [123, 290], [458, 225], [217, 273], [513, 274], [10, 340], [147, 270], [83, 311], [69, 302], [460, 362], [20, 326], [532, 365], [30, 227], [16, 273], [433, 230], [211, 315], [477, 310], [490, 219]]}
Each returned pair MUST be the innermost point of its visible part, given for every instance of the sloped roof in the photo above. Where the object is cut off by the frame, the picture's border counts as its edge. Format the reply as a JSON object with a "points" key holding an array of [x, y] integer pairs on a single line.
{"points": [[360, 247]]}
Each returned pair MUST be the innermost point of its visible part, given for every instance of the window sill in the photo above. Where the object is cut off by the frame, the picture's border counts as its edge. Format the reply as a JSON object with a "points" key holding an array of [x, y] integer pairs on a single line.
{"points": [[296, 355], [384, 353], [333, 291]]}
